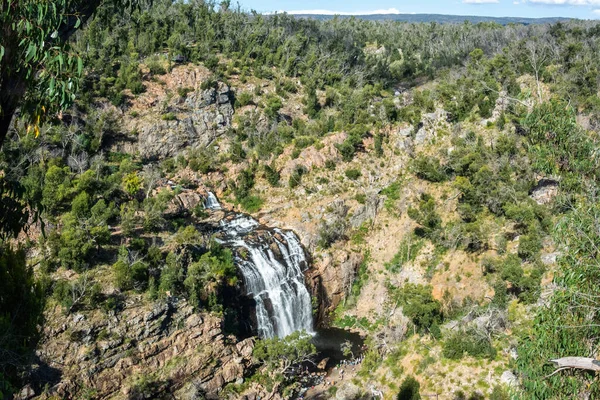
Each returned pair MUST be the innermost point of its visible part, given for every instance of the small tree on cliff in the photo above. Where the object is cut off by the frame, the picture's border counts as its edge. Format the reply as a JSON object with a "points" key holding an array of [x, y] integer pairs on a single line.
{"points": [[279, 355]]}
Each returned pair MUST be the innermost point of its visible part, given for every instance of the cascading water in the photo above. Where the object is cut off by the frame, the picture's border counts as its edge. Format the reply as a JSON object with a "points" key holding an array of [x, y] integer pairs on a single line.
{"points": [[272, 262], [211, 202]]}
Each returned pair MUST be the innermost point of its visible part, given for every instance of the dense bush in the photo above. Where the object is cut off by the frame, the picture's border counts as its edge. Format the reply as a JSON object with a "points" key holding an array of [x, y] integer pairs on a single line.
{"points": [[272, 175], [471, 343], [21, 305], [207, 276], [295, 178], [426, 216], [419, 305], [352, 173], [409, 389], [429, 168]]}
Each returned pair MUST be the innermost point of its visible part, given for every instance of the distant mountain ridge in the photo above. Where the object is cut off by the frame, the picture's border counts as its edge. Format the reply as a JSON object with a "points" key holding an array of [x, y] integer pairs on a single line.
{"points": [[440, 18]]}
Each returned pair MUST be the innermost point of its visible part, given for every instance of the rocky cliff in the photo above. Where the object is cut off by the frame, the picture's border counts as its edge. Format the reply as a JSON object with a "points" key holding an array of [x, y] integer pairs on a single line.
{"points": [[145, 349], [198, 119]]}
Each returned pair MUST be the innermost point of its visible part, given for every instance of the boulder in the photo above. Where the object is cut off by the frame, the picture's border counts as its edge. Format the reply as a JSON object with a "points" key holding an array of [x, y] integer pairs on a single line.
{"points": [[347, 391], [184, 203], [509, 379], [232, 371], [545, 191], [245, 348]]}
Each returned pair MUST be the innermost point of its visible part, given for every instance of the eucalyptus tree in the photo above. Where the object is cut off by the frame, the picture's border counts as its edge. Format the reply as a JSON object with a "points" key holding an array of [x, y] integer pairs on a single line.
{"points": [[39, 73]]}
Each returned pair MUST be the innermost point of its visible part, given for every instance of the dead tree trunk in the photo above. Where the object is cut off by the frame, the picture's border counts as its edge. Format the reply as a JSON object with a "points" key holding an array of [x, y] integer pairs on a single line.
{"points": [[587, 364]]}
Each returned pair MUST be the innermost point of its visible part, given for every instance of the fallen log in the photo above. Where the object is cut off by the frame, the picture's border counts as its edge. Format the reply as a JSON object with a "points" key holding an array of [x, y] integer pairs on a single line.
{"points": [[584, 363]]}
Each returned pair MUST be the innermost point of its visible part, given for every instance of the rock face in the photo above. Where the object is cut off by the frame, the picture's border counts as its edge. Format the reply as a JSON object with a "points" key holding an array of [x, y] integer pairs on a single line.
{"points": [[368, 211], [184, 204], [143, 351], [331, 279], [431, 122], [545, 191], [206, 115]]}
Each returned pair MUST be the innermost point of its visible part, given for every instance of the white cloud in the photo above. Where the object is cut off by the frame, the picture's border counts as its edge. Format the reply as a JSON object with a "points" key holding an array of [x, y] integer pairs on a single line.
{"points": [[567, 2], [597, 12], [329, 12], [480, 1]]}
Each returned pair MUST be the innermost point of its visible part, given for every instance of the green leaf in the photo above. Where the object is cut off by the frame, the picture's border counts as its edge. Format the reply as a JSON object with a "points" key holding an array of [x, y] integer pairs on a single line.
{"points": [[79, 65], [1, 52], [77, 23], [52, 83], [30, 54]]}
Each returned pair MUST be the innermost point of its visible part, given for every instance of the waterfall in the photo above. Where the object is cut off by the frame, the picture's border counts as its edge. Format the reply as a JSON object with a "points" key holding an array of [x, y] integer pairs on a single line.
{"points": [[271, 262], [211, 202]]}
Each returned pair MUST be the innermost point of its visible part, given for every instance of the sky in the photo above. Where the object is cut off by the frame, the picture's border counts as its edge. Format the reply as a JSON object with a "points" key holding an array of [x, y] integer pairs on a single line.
{"points": [[584, 9]]}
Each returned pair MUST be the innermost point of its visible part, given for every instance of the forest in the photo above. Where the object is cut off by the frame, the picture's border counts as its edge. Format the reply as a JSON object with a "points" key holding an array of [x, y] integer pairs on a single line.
{"points": [[468, 150]]}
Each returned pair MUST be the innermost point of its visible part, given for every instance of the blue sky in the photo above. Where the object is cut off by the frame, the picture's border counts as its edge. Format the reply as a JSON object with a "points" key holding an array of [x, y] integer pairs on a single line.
{"points": [[586, 9]]}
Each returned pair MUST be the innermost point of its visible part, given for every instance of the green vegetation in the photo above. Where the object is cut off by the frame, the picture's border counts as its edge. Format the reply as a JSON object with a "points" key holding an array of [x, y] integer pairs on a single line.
{"points": [[409, 390], [408, 250], [278, 356], [522, 105], [419, 305], [353, 174], [21, 303], [471, 343]]}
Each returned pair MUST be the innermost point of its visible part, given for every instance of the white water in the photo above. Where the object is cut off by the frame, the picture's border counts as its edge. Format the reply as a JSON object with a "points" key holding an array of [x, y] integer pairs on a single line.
{"points": [[276, 283], [211, 202]]}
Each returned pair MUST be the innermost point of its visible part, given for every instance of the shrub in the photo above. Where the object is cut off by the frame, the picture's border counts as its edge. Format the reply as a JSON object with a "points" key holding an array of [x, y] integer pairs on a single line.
{"points": [[244, 184], [361, 198], [130, 77], [379, 145], [132, 183], [202, 160], [252, 204], [419, 305], [332, 231], [352, 142], [296, 176], [210, 83], [243, 99], [426, 216], [155, 66], [184, 91], [168, 117], [129, 271], [471, 343], [206, 277], [272, 175], [430, 169], [499, 393], [529, 246], [353, 174], [408, 250], [272, 106], [212, 62], [409, 390]]}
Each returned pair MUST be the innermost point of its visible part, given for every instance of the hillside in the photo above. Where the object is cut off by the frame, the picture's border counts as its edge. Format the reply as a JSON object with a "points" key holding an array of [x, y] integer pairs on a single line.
{"points": [[439, 18], [244, 207]]}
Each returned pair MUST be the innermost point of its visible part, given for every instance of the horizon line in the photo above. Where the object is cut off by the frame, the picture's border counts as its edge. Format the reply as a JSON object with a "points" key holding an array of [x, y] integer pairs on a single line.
{"points": [[393, 11]]}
